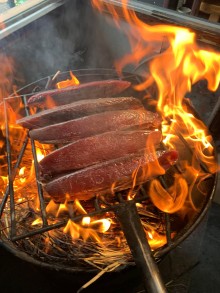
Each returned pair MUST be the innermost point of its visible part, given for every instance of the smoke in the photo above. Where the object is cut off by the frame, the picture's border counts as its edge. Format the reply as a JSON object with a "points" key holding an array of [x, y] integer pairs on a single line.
{"points": [[6, 76], [65, 39]]}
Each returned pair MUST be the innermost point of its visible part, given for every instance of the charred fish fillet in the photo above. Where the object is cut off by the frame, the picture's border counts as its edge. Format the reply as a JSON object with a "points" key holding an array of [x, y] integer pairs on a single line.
{"points": [[110, 176], [96, 149], [78, 109], [90, 90], [76, 129]]}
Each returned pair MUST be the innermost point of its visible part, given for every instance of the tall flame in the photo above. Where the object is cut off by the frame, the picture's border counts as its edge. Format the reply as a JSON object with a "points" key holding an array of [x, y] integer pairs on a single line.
{"points": [[181, 64], [174, 71]]}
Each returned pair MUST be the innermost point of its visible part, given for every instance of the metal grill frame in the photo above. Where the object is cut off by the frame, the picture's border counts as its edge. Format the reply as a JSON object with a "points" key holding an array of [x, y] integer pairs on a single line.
{"points": [[9, 193]]}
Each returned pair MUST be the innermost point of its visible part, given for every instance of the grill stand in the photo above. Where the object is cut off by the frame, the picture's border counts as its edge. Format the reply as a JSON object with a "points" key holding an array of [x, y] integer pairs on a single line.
{"points": [[136, 238]]}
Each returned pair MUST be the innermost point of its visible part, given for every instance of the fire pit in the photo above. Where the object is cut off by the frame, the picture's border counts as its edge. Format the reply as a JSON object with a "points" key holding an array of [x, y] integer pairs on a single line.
{"points": [[86, 235], [139, 218]]}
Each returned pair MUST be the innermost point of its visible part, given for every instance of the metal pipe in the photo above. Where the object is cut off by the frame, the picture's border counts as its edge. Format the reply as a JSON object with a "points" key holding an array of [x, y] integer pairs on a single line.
{"points": [[28, 13], [128, 217]]}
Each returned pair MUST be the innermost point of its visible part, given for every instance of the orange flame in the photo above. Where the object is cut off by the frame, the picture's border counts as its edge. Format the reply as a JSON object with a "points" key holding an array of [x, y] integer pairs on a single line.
{"points": [[181, 64], [88, 228], [36, 222], [69, 82], [155, 239], [182, 60], [172, 199], [76, 231], [101, 225], [40, 154]]}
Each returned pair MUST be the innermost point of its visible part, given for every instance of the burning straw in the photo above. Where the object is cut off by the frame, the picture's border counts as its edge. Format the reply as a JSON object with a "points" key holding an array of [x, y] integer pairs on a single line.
{"points": [[81, 245]]}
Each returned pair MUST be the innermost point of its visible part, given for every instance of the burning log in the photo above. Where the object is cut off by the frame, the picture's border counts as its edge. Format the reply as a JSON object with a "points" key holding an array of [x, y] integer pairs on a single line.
{"points": [[111, 176], [96, 124], [97, 149], [78, 109], [91, 90]]}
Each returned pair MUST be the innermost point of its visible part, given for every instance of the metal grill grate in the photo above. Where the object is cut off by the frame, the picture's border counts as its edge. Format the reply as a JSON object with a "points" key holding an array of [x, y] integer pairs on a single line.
{"points": [[125, 211]]}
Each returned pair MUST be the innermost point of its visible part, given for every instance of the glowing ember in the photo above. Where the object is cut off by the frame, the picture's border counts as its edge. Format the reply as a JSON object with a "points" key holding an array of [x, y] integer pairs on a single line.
{"points": [[37, 222]]}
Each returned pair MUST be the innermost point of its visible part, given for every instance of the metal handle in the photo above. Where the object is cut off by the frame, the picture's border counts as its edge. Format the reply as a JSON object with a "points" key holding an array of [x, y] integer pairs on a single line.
{"points": [[128, 217]]}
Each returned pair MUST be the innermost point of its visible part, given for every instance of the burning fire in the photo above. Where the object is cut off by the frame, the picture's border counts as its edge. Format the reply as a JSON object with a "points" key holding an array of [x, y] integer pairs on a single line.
{"points": [[88, 228], [68, 82], [174, 71]]}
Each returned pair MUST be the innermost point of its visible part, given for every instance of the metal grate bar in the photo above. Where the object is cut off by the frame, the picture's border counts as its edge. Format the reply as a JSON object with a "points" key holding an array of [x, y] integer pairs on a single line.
{"points": [[168, 229], [167, 216], [60, 224], [10, 175], [17, 164], [39, 186], [98, 211]]}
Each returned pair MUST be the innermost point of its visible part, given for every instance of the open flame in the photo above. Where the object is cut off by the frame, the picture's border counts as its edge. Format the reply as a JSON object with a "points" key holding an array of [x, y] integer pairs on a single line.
{"points": [[174, 71], [87, 228], [155, 239], [181, 64], [172, 199], [68, 82]]}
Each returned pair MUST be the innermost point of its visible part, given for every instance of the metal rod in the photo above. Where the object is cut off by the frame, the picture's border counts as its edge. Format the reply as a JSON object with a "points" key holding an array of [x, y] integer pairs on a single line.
{"points": [[60, 224], [10, 175], [167, 216], [39, 186], [168, 229], [128, 217], [17, 164]]}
